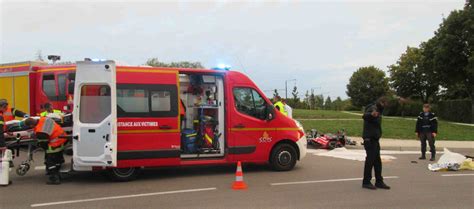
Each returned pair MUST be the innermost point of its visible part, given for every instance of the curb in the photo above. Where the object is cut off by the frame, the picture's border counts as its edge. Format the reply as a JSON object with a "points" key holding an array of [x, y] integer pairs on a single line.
{"points": [[402, 148]]}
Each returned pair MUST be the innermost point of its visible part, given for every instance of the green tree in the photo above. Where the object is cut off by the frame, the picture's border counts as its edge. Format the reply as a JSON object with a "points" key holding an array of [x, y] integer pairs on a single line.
{"points": [[338, 104], [307, 100], [319, 101], [328, 103], [295, 94], [412, 77], [312, 100], [275, 93], [366, 85], [295, 101], [154, 62], [451, 51]]}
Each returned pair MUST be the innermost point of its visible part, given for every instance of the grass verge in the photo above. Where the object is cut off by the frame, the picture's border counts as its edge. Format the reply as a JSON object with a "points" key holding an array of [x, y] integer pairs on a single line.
{"points": [[395, 128]]}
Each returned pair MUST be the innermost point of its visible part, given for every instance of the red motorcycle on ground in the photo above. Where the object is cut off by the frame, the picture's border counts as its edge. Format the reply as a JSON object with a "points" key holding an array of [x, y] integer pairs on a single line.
{"points": [[328, 141]]}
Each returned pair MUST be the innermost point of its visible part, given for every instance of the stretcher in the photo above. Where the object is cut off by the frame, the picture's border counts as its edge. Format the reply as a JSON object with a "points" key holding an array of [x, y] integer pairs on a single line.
{"points": [[18, 136]]}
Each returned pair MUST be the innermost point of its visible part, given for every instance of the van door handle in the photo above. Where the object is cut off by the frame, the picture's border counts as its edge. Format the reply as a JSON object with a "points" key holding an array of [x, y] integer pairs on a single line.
{"points": [[76, 137], [240, 125], [165, 127]]}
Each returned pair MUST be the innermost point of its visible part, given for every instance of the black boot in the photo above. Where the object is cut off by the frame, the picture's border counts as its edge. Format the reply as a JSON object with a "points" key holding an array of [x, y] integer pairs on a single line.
{"points": [[422, 157], [54, 179], [369, 186], [433, 157], [381, 185]]}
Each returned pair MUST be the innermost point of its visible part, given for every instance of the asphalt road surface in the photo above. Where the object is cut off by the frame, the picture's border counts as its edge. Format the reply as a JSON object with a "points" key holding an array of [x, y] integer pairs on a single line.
{"points": [[316, 182]]}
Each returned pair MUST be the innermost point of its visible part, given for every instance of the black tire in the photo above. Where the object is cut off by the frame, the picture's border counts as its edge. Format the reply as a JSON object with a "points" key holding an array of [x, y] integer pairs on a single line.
{"points": [[332, 144], [123, 174], [283, 157]]}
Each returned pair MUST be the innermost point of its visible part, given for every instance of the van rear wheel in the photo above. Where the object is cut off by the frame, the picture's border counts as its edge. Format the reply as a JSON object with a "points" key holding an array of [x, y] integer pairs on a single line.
{"points": [[283, 157], [123, 174]]}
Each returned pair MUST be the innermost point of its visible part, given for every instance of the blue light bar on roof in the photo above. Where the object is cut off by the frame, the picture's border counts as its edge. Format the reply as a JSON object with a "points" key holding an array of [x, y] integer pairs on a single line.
{"points": [[222, 67]]}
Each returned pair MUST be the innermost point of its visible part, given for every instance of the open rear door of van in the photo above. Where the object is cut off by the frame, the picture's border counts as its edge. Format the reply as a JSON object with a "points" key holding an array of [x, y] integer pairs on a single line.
{"points": [[95, 115]]}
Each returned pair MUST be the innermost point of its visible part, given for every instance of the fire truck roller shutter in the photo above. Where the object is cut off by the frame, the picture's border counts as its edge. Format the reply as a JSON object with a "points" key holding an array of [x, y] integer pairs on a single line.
{"points": [[6, 88], [21, 93]]}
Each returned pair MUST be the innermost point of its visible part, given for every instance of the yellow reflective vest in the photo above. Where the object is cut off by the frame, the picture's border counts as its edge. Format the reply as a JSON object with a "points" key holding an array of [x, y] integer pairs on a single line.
{"points": [[45, 113], [281, 106]]}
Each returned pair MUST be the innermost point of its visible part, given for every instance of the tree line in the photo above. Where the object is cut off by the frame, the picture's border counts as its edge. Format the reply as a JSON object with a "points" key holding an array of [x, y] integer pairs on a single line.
{"points": [[314, 101], [439, 69]]}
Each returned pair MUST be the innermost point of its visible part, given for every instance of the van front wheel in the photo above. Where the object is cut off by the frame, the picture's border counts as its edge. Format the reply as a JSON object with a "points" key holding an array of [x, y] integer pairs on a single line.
{"points": [[283, 157], [123, 174]]}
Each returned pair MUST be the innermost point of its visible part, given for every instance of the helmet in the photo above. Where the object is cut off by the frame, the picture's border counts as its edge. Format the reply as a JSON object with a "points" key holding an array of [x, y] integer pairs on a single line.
{"points": [[3, 102]]}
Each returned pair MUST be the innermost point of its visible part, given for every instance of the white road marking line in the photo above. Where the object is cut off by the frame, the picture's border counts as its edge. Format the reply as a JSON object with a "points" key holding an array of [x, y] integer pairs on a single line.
{"points": [[42, 167], [122, 197], [460, 174], [325, 181]]}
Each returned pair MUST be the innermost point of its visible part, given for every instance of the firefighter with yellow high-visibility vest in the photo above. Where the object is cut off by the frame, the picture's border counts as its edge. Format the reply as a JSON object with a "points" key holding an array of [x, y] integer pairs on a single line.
{"points": [[51, 137], [48, 109], [279, 105]]}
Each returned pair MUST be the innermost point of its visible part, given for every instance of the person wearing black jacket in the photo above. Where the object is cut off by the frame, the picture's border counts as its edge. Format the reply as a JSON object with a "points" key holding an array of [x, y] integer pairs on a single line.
{"points": [[371, 134], [427, 129]]}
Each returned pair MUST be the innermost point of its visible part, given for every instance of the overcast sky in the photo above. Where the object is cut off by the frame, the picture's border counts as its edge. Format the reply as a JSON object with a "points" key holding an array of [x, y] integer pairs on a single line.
{"points": [[318, 43]]}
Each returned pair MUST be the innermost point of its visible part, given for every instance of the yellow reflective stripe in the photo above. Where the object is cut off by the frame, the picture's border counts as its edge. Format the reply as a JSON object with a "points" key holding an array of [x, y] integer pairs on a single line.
{"points": [[208, 138], [56, 69], [43, 114], [14, 66], [287, 129], [14, 111], [54, 150], [1, 122]]}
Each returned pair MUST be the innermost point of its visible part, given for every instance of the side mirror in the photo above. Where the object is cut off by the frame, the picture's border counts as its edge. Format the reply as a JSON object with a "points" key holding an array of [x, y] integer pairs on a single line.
{"points": [[269, 112]]}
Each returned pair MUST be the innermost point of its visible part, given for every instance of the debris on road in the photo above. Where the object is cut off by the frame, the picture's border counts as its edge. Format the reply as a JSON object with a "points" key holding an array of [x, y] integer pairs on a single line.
{"points": [[328, 141], [451, 161], [343, 153]]}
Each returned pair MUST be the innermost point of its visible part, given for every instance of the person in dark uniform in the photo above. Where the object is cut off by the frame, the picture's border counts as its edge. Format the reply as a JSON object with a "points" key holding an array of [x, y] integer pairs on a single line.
{"points": [[371, 134], [427, 129]]}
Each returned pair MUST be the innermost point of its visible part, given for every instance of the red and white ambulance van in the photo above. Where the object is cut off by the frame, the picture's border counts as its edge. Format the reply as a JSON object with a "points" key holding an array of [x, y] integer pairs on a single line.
{"points": [[128, 118]]}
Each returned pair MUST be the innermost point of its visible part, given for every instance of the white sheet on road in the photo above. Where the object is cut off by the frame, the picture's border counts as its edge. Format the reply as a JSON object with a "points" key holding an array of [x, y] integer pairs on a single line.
{"points": [[451, 161], [344, 153]]}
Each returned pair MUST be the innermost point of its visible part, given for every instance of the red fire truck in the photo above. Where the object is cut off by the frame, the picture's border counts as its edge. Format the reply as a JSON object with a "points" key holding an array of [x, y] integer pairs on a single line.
{"points": [[29, 85], [127, 118]]}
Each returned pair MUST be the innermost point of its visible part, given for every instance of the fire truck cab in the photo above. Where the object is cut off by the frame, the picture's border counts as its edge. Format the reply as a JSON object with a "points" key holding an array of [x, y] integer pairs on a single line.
{"points": [[127, 118]]}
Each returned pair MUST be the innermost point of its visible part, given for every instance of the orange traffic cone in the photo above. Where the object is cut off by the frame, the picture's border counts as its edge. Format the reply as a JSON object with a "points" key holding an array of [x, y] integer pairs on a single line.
{"points": [[239, 179]]}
